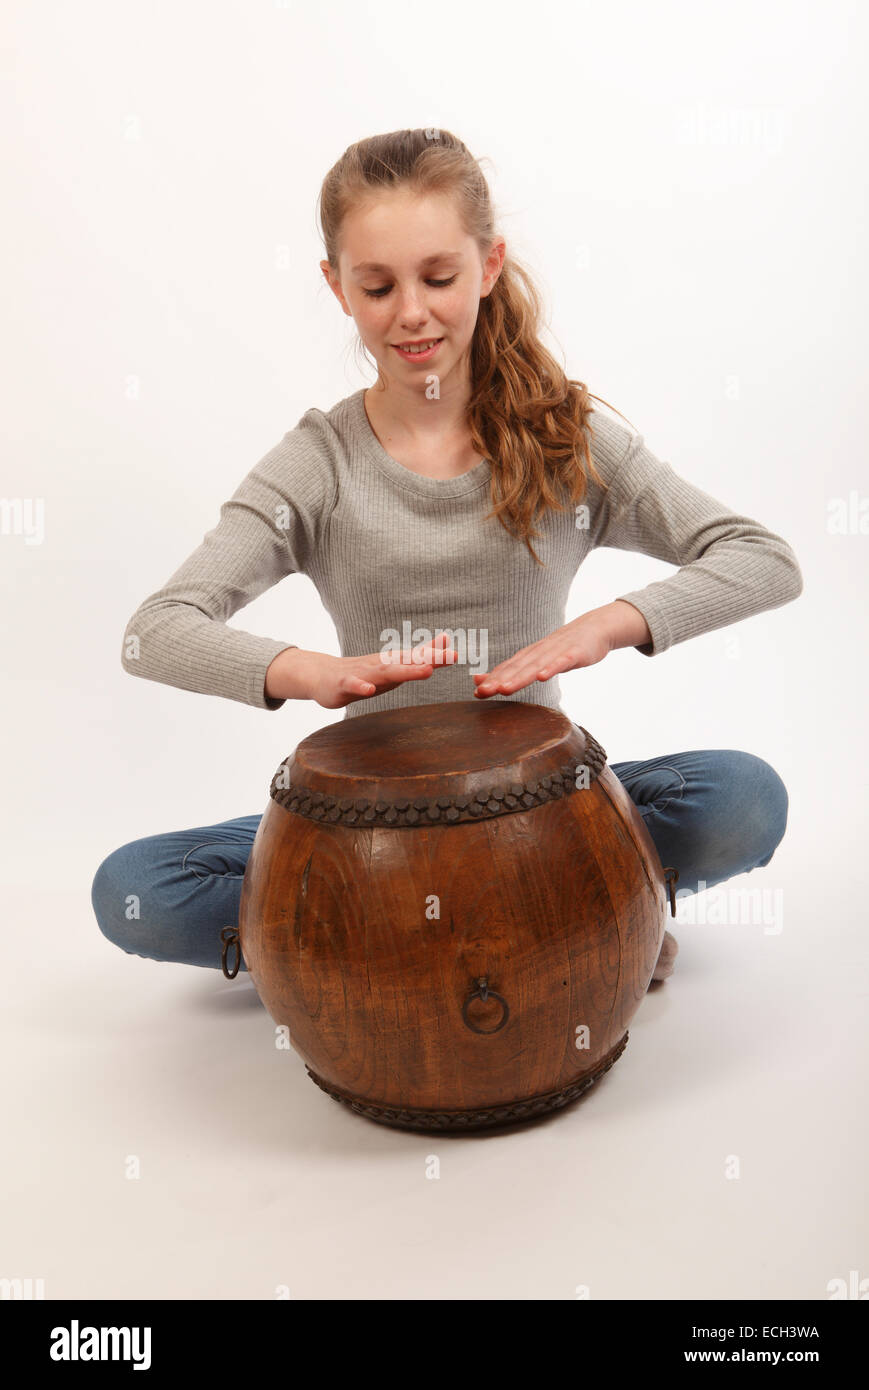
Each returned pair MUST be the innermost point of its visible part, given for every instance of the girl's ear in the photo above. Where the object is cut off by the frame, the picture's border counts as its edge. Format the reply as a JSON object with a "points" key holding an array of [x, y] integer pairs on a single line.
{"points": [[335, 286]]}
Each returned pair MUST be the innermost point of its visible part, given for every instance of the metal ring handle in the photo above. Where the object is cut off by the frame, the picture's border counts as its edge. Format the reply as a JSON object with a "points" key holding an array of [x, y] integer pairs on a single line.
{"points": [[483, 992], [671, 882], [229, 937]]}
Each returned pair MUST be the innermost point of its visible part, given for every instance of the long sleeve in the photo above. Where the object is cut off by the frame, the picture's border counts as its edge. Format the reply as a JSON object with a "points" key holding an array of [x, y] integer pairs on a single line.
{"points": [[731, 566], [268, 529]]}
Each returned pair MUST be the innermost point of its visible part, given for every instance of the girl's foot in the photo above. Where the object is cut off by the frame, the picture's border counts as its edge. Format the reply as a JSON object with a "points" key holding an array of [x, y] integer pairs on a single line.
{"points": [[667, 957]]}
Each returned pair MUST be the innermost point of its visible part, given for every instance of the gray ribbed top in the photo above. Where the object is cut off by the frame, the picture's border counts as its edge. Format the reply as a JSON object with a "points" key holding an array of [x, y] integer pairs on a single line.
{"points": [[387, 547]]}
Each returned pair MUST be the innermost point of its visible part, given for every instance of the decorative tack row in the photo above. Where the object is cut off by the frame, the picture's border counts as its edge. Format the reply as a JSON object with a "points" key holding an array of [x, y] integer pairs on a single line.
{"points": [[502, 799], [453, 1120]]}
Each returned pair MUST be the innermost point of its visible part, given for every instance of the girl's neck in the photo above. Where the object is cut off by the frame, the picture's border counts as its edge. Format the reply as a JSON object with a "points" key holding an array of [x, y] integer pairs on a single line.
{"points": [[415, 420]]}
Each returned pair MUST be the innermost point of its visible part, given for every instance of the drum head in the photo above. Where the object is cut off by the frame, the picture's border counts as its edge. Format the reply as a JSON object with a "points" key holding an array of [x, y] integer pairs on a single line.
{"points": [[453, 760], [423, 740]]}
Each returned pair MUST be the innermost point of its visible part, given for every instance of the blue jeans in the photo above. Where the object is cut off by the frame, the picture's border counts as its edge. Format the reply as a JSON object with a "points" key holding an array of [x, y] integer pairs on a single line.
{"points": [[712, 814]]}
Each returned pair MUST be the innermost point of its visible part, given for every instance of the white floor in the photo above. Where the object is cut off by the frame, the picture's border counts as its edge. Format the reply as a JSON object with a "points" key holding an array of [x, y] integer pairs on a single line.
{"points": [[254, 1184]]}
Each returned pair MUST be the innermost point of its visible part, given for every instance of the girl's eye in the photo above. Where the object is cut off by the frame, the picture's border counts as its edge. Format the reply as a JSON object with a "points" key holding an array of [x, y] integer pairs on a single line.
{"points": [[438, 284]]}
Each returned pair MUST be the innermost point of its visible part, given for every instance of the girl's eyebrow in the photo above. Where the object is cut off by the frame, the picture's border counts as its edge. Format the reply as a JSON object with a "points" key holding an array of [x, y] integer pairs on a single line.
{"points": [[427, 260]]}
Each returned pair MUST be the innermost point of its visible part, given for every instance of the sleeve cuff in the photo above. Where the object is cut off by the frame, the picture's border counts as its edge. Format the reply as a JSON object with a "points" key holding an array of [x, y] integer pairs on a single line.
{"points": [[256, 693], [658, 625]]}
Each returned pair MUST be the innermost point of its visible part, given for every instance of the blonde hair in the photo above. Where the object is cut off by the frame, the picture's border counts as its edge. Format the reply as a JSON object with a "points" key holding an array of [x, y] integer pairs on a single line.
{"points": [[525, 415]]}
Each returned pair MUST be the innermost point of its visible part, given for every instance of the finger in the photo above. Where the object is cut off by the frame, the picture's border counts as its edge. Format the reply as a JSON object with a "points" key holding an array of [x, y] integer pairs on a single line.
{"points": [[404, 672], [408, 656], [505, 675], [519, 665], [508, 685], [416, 672], [439, 651], [509, 677], [413, 659], [500, 688]]}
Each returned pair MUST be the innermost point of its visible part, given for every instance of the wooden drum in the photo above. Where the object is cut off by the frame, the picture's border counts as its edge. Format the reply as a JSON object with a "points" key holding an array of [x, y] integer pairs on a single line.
{"points": [[455, 909]]}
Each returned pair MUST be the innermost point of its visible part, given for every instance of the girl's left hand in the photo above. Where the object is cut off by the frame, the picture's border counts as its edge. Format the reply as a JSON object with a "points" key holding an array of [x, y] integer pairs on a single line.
{"points": [[583, 642]]}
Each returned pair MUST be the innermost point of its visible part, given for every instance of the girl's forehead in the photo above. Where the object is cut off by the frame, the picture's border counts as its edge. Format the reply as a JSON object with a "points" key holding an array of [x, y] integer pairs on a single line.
{"points": [[391, 218]]}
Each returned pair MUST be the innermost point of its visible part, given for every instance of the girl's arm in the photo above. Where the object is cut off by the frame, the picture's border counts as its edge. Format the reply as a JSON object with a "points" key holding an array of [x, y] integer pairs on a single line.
{"points": [[731, 566], [267, 530]]}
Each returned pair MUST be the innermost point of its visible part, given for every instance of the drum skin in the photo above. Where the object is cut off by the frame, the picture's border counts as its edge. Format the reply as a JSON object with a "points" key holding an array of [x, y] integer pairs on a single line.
{"points": [[455, 909]]}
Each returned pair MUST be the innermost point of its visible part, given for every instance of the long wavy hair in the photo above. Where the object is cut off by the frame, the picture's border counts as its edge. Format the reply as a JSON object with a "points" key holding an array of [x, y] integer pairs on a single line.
{"points": [[525, 415]]}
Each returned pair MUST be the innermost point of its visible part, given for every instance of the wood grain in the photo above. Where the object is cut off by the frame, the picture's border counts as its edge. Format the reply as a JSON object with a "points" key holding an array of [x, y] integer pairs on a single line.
{"points": [[560, 907]]}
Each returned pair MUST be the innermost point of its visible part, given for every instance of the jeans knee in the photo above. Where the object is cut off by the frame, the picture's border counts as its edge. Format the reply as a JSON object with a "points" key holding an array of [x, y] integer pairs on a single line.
{"points": [[764, 805], [147, 904], [114, 903]]}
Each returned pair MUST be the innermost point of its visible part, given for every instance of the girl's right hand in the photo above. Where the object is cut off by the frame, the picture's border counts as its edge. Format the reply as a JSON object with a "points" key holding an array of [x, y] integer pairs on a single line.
{"points": [[335, 681]]}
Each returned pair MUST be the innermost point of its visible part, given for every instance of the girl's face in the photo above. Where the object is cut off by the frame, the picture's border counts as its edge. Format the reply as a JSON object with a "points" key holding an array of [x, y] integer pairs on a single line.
{"points": [[409, 274]]}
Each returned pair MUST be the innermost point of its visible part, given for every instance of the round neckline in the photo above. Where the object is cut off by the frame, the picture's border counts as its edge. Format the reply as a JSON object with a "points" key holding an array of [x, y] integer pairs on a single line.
{"points": [[471, 481]]}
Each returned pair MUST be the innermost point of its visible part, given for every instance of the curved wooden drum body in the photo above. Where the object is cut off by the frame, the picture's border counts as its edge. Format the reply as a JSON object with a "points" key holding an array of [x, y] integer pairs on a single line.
{"points": [[456, 910]]}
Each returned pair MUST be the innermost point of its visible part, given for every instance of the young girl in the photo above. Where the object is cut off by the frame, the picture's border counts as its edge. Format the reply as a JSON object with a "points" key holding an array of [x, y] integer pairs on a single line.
{"points": [[382, 501]]}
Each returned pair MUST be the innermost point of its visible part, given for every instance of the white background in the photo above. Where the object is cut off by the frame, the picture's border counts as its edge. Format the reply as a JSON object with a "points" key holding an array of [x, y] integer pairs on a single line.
{"points": [[687, 181]]}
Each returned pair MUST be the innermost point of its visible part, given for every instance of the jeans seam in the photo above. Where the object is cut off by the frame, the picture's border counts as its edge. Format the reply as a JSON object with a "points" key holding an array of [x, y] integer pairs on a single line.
{"points": [[209, 873], [655, 806]]}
